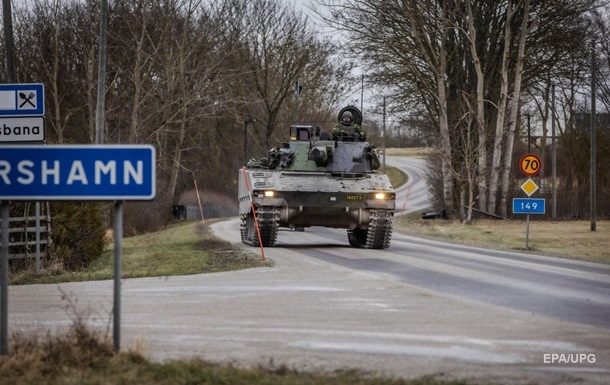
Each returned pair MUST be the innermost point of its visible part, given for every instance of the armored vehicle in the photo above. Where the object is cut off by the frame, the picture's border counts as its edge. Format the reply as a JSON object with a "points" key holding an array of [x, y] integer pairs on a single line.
{"points": [[317, 180]]}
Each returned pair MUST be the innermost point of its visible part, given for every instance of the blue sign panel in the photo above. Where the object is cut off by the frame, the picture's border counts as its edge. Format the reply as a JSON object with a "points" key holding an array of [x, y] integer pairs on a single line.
{"points": [[104, 172], [528, 206], [23, 99]]}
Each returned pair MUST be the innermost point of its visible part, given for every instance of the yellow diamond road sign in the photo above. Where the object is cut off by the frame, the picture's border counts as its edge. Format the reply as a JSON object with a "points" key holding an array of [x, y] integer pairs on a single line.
{"points": [[529, 187]]}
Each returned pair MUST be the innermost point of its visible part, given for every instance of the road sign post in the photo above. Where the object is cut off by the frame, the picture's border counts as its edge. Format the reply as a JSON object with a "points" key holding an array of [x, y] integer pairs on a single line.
{"points": [[528, 206], [530, 165], [78, 172], [21, 120]]}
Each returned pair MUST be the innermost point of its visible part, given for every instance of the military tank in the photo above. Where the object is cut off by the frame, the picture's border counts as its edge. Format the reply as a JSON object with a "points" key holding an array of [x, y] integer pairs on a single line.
{"points": [[316, 179]]}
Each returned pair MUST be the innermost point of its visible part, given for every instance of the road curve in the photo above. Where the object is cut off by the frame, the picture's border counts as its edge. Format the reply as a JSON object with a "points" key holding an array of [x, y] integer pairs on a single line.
{"points": [[418, 308], [413, 195]]}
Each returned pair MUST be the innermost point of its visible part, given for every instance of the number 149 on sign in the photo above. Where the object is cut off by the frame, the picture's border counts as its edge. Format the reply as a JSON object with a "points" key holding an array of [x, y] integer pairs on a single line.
{"points": [[528, 206]]}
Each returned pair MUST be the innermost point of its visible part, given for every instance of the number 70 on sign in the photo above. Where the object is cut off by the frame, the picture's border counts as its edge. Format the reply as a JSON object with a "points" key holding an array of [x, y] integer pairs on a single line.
{"points": [[530, 164]]}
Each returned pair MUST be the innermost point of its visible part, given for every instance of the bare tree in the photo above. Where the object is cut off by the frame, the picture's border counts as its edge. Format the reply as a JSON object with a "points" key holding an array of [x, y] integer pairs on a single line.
{"points": [[601, 20], [406, 45], [51, 34], [280, 48], [492, 51]]}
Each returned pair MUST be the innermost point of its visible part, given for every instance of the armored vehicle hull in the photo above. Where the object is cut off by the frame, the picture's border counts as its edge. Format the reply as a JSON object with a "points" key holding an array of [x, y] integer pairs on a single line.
{"points": [[315, 181]]}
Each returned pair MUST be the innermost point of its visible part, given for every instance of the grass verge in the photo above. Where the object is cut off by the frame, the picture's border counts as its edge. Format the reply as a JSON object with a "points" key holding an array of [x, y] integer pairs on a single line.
{"points": [[180, 249], [396, 176], [566, 239], [409, 151]]}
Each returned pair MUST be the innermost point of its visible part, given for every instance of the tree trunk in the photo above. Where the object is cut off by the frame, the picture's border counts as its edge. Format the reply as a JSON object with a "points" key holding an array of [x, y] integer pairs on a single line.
{"points": [[480, 116], [59, 128], [514, 112], [137, 88], [499, 136], [176, 164], [438, 65], [445, 146]]}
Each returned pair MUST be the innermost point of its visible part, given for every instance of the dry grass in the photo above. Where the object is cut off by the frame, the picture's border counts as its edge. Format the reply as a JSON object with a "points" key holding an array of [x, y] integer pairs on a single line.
{"points": [[568, 239], [408, 151]]}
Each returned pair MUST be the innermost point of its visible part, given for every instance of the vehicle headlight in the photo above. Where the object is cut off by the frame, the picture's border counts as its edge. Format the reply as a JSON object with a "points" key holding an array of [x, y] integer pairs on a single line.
{"points": [[265, 193], [384, 196]]}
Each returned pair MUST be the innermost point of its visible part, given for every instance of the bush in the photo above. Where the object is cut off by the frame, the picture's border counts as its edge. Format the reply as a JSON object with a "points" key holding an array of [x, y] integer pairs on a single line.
{"points": [[78, 232], [145, 217]]}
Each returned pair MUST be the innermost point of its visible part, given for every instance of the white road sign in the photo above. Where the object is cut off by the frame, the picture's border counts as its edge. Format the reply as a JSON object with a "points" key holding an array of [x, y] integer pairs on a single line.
{"points": [[22, 99], [22, 129]]}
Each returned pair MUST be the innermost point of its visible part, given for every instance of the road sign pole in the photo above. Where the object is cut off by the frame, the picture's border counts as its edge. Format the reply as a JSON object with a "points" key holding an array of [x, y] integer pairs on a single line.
{"points": [[118, 252], [527, 232], [37, 219], [22, 117], [4, 213]]}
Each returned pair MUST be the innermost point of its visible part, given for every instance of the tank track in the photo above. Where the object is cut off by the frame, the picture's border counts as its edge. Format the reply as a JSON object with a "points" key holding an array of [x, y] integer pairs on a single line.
{"points": [[268, 218], [379, 233]]}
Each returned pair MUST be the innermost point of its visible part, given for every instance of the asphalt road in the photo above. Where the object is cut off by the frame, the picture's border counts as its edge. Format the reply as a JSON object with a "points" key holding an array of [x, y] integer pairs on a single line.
{"points": [[413, 195], [419, 308]]}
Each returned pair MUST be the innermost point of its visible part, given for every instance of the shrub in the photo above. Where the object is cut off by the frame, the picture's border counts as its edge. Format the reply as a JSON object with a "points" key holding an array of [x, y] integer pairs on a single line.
{"points": [[78, 231]]}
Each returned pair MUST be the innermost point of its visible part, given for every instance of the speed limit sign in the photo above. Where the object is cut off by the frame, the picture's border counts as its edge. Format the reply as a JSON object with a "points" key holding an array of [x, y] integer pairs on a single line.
{"points": [[530, 164]]}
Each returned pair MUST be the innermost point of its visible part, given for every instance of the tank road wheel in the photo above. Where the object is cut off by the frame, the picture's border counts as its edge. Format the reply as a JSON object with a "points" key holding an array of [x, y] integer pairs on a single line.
{"points": [[378, 234], [268, 225], [357, 237], [248, 230], [268, 218], [380, 229], [242, 228]]}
